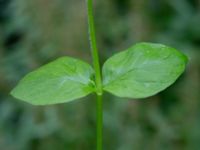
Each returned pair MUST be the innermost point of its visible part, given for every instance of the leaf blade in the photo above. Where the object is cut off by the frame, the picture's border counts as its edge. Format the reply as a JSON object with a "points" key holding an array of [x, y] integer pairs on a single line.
{"points": [[62, 80], [143, 70]]}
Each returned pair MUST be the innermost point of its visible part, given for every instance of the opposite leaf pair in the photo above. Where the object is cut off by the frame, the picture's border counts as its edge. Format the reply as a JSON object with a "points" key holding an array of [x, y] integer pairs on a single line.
{"points": [[141, 71]]}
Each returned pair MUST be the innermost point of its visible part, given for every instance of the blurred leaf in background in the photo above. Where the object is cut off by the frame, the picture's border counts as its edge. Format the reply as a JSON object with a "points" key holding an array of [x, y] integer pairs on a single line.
{"points": [[35, 32]]}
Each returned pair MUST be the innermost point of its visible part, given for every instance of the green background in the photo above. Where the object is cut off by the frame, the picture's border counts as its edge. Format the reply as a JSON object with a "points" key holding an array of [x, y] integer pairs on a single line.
{"points": [[34, 32]]}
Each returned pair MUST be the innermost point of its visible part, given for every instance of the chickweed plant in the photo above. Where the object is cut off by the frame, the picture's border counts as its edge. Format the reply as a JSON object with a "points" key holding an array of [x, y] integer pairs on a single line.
{"points": [[140, 71]]}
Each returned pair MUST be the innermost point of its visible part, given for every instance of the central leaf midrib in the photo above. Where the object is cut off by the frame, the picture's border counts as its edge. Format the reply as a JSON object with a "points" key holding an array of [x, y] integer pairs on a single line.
{"points": [[121, 75], [65, 78]]}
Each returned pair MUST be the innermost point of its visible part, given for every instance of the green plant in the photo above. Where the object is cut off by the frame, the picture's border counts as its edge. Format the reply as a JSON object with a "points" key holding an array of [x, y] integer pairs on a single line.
{"points": [[138, 72]]}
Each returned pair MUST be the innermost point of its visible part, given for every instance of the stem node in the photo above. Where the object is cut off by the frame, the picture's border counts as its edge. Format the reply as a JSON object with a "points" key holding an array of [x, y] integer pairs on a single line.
{"points": [[96, 65]]}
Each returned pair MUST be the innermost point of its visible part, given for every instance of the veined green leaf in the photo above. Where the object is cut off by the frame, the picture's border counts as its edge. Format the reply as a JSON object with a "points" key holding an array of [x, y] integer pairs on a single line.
{"points": [[143, 70], [62, 80]]}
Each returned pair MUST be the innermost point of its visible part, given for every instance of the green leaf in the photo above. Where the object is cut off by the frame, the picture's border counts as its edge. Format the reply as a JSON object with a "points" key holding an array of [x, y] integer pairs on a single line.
{"points": [[143, 70], [62, 80]]}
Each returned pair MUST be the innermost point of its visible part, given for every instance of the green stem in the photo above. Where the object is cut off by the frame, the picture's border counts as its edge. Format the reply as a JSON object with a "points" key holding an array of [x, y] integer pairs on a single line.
{"points": [[99, 116], [95, 57], [93, 45]]}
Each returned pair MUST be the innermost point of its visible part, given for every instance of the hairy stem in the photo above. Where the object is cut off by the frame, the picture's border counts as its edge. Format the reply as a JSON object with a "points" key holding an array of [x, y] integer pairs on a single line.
{"points": [[96, 65]]}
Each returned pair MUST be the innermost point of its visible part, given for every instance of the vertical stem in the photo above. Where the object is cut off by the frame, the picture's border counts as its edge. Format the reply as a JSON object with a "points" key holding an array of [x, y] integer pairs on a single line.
{"points": [[99, 116], [93, 45], [95, 57]]}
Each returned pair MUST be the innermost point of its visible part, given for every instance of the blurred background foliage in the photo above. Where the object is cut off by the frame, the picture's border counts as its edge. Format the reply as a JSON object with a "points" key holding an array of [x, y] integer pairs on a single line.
{"points": [[34, 32]]}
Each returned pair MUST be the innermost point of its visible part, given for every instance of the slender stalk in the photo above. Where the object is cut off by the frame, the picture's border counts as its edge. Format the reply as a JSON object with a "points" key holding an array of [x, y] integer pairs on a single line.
{"points": [[99, 116], [95, 57], [93, 45]]}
